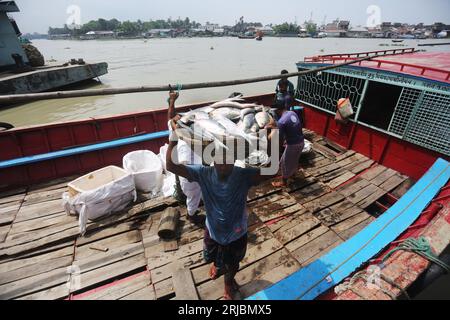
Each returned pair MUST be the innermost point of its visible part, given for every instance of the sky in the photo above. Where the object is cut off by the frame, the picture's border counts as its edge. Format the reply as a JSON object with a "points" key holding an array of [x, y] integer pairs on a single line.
{"points": [[38, 15]]}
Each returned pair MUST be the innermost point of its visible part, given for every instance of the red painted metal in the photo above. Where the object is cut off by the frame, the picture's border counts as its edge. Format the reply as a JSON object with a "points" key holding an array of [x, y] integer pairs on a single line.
{"points": [[402, 156], [34, 140], [430, 65]]}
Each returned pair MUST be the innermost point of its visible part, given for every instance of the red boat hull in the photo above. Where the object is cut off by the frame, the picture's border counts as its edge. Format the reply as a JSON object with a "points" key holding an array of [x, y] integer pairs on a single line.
{"points": [[399, 155]]}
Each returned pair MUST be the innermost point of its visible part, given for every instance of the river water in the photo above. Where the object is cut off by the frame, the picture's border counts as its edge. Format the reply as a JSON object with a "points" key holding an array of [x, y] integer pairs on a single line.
{"points": [[179, 60]]}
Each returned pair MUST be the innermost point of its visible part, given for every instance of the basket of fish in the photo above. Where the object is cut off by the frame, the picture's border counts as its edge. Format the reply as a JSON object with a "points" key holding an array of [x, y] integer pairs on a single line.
{"points": [[230, 126]]}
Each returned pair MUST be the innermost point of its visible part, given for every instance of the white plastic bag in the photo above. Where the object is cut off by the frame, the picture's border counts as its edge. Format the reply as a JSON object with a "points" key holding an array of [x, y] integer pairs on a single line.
{"points": [[307, 147], [102, 201], [162, 156], [344, 107], [146, 168], [168, 187]]}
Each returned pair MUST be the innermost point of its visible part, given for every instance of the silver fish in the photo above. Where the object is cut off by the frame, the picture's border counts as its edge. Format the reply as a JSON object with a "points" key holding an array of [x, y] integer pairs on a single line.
{"points": [[246, 111], [262, 118], [229, 113], [233, 104], [212, 127], [233, 129], [248, 121], [254, 128], [193, 115], [258, 157]]}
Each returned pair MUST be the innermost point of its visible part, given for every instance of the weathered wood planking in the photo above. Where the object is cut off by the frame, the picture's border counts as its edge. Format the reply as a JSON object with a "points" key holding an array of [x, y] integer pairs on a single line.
{"points": [[119, 289], [183, 284]]}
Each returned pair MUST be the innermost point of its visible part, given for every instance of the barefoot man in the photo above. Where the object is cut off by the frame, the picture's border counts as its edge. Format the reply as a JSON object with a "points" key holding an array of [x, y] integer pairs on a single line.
{"points": [[224, 189]]}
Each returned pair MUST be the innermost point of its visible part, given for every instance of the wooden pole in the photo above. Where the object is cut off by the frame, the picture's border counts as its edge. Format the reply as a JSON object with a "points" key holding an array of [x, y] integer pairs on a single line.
{"points": [[168, 223], [9, 99]]}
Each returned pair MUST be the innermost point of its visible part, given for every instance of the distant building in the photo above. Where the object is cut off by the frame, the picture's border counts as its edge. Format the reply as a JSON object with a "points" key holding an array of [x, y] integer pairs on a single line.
{"points": [[9, 41], [337, 28], [266, 30], [98, 35], [358, 32], [159, 33]]}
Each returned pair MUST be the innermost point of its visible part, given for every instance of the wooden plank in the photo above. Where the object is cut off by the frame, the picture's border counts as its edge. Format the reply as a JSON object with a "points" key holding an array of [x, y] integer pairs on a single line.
{"points": [[4, 232], [336, 182], [106, 258], [324, 170], [276, 274], [52, 184], [255, 253], [108, 272], [55, 293], [333, 174], [373, 172], [23, 262], [403, 188], [324, 201], [164, 272], [41, 209], [10, 208], [270, 215], [347, 234], [327, 152], [124, 287], [164, 288], [306, 238], [305, 223], [310, 193], [111, 243], [43, 196], [170, 245], [41, 223], [157, 257], [382, 177], [317, 246], [361, 166], [35, 269], [352, 187], [371, 198], [391, 183], [278, 203], [213, 290], [183, 284], [262, 190], [12, 195], [322, 252], [300, 181], [366, 193], [146, 293], [33, 284], [350, 222], [95, 235]]}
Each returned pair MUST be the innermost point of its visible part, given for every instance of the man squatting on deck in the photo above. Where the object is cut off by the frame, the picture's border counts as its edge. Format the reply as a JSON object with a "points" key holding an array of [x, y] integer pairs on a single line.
{"points": [[190, 189], [224, 188]]}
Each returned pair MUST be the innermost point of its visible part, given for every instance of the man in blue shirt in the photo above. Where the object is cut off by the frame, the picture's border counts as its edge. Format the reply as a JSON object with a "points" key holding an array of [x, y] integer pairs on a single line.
{"points": [[284, 91], [224, 188], [290, 134]]}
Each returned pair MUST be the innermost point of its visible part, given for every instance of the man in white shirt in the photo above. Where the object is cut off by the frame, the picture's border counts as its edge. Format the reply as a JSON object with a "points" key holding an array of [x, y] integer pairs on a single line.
{"points": [[186, 156]]}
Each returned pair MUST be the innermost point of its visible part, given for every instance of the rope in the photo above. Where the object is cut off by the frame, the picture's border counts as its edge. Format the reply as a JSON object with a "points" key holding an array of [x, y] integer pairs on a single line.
{"points": [[178, 88], [372, 238], [420, 246]]}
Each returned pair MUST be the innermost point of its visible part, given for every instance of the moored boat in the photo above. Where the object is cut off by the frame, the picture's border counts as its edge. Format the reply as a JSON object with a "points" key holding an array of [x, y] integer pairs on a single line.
{"points": [[359, 172]]}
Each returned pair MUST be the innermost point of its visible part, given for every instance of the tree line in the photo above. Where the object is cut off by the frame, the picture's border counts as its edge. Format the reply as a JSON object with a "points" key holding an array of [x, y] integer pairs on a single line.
{"points": [[125, 27]]}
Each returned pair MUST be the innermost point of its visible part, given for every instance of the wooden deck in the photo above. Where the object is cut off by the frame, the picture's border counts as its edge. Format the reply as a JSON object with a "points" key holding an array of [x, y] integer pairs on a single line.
{"points": [[42, 255]]}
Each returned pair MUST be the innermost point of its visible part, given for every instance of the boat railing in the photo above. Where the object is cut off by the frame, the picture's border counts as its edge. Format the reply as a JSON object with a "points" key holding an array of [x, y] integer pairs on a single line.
{"points": [[377, 63], [360, 54]]}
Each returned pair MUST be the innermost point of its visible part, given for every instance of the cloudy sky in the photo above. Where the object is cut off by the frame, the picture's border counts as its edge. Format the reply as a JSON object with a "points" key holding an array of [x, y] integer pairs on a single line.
{"points": [[38, 15]]}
